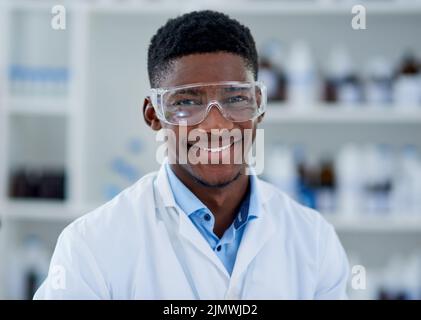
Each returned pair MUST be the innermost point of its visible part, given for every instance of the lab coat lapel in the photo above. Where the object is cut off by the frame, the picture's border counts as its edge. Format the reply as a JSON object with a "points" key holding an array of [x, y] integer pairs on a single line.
{"points": [[257, 233], [191, 234], [164, 187], [185, 227]]}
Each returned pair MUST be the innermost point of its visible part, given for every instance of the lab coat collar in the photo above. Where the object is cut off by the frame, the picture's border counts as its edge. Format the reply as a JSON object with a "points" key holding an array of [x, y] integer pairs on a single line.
{"points": [[164, 186], [191, 204], [188, 202], [262, 193], [185, 226], [257, 232]]}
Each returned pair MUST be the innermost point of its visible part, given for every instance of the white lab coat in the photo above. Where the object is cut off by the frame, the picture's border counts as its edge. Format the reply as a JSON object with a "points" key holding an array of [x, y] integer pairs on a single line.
{"points": [[140, 245]]}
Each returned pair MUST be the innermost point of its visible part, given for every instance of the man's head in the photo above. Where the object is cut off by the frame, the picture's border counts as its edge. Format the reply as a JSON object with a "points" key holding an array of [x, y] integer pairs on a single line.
{"points": [[199, 32], [202, 47]]}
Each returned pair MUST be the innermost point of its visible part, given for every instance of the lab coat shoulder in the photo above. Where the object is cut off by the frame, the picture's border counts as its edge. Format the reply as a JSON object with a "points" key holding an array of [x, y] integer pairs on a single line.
{"points": [[98, 248], [290, 214], [119, 216], [310, 239]]}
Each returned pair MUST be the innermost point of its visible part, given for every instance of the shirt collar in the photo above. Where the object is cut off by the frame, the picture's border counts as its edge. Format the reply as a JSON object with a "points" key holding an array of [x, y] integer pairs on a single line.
{"points": [[190, 203], [186, 200]]}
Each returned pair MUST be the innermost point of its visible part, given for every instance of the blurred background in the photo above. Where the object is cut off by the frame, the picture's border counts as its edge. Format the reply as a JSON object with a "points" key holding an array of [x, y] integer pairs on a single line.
{"points": [[342, 129]]}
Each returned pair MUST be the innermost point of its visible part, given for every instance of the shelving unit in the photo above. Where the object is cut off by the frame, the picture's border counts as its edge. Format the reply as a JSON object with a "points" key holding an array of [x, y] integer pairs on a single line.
{"points": [[39, 106], [41, 129], [389, 223], [4, 39], [256, 8], [279, 113], [39, 210], [105, 51]]}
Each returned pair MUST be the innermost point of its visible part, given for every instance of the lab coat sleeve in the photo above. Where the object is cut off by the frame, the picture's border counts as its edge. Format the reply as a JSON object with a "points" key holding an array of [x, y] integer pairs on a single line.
{"points": [[73, 272], [333, 268]]}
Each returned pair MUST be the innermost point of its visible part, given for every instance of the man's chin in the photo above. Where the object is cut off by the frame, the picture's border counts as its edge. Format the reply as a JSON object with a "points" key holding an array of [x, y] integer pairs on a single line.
{"points": [[215, 175]]}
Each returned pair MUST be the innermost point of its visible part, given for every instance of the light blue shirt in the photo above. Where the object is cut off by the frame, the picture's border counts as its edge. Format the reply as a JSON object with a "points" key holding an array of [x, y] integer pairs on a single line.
{"points": [[226, 247]]}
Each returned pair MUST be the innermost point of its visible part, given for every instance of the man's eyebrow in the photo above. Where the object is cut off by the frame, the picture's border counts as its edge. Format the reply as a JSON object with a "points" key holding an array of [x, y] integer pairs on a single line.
{"points": [[230, 89], [193, 92]]}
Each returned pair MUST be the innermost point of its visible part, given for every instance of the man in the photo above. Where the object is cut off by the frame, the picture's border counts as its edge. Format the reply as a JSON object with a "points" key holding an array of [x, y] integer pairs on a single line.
{"points": [[200, 230]]}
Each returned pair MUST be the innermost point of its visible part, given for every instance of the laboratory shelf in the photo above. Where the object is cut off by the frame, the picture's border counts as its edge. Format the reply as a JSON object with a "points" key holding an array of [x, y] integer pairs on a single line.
{"points": [[247, 7], [374, 223], [284, 113], [40, 6], [59, 211], [38, 106], [256, 7], [43, 210]]}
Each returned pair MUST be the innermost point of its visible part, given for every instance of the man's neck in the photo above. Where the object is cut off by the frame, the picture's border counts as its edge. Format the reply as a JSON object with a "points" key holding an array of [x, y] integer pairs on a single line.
{"points": [[224, 202]]}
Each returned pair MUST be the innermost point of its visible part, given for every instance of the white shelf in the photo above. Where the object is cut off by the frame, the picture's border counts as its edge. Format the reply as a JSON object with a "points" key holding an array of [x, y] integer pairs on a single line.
{"points": [[388, 222], [43, 210], [317, 8], [254, 7], [38, 106], [40, 5], [56, 211], [284, 113], [264, 7]]}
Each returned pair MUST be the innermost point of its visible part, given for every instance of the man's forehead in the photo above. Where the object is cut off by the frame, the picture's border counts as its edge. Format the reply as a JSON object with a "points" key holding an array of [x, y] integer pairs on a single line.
{"points": [[206, 67]]}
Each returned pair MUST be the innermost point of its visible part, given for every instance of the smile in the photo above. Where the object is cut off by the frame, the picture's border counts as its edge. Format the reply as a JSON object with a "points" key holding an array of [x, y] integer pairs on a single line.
{"points": [[217, 149]]}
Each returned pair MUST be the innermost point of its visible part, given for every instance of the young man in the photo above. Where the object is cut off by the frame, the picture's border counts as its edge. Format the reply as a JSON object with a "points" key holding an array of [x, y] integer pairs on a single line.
{"points": [[200, 230]]}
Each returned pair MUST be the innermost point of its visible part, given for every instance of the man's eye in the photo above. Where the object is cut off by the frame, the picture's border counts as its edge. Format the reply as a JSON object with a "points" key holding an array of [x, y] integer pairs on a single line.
{"points": [[237, 99], [186, 102]]}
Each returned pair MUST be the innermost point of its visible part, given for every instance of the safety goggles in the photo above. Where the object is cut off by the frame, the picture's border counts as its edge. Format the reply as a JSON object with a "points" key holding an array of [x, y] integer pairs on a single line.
{"points": [[190, 104]]}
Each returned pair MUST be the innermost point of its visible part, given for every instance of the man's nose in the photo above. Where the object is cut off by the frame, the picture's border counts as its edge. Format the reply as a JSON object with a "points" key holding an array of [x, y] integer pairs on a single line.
{"points": [[215, 120]]}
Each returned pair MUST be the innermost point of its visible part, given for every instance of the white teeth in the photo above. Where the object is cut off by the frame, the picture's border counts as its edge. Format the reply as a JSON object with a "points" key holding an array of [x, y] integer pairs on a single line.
{"points": [[217, 149]]}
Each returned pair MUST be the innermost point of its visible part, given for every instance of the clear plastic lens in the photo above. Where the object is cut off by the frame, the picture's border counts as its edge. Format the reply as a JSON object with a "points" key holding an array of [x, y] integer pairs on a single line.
{"points": [[238, 101]]}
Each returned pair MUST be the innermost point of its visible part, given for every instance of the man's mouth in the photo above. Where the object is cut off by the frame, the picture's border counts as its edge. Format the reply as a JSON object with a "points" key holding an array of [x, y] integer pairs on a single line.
{"points": [[223, 147], [220, 149]]}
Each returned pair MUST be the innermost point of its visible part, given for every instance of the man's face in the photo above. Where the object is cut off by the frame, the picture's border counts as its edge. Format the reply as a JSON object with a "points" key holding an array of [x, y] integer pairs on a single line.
{"points": [[207, 68]]}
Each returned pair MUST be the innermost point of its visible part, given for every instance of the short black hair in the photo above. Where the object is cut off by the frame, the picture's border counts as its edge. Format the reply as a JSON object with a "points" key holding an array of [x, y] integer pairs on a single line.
{"points": [[199, 32]]}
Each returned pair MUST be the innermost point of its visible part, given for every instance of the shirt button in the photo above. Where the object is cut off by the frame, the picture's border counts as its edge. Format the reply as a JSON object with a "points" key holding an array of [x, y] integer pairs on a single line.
{"points": [[207, 217], [218, 248]]}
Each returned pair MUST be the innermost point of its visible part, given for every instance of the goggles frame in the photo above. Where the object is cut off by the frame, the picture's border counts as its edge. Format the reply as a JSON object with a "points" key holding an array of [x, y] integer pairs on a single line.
{"points": [[158, 93]]}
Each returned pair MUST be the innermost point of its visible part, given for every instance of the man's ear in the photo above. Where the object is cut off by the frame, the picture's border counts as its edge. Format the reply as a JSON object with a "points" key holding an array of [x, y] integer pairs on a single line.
{"points": [[260, 118], [149, 115]]}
